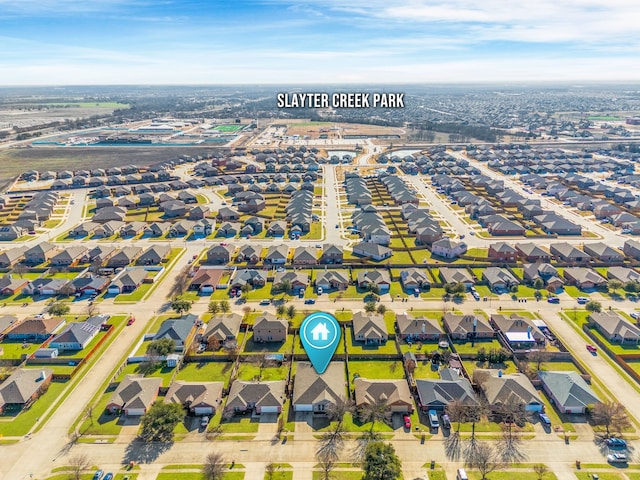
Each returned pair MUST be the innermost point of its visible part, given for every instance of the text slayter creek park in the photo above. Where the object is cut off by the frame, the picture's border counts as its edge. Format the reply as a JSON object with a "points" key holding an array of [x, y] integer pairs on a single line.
{"points": [[341, 100]]}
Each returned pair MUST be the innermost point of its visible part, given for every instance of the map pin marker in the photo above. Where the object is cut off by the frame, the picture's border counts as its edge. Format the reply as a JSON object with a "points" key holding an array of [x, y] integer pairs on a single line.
{"points": [[320, 335]]}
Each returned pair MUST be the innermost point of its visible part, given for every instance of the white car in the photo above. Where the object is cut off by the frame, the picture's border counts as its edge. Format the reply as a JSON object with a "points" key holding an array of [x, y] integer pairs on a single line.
{"points": [[617, 458], [634, 315]]}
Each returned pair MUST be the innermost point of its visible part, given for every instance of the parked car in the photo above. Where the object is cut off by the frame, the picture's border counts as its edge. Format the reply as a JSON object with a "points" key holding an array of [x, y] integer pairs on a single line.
{"points": [[204, 422], [433, 419], [614, 442], [634, 315], [407, 421], [446, 421], [553, 300], [592, 348], [309, 301], [108, 476], [475, 295], [98, 475], [617, 458], [583, 300], [131, 320], [545, 420], [266, 301]]}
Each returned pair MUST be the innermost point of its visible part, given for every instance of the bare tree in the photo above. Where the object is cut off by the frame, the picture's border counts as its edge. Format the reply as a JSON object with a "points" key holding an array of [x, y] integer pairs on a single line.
{"points": [[484, 459], [214, 466], [326, 467], [512, 414], [20, 269], [78, 463], [458, 413], [180, 283], [92, 309], [377, 411], [270, 470], [611, 416], [338, 409], [538, 357], [540, 469]]}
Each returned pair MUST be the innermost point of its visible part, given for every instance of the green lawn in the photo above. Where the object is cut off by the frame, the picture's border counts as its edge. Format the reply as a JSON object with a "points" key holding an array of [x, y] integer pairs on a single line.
{"points": [[240, 424], [249, 371], [135, 296], [601, 475], [273, 347], [209, 371], [16, 349], [197, 476], [376, 369], [468, 348], [389, 348], [573, 291], [507, 367], [423, 370], [340, 474], [510, 475], [13, 423], [163, 372], [280, 475]]}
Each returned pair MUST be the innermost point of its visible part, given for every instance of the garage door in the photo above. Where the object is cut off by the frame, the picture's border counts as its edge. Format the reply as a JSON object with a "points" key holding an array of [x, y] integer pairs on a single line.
{"points": [[135, 412], [303, 408], [203, 410], [269, 410], [90, 291], [46, 291], [206, 290], [114, 290]]}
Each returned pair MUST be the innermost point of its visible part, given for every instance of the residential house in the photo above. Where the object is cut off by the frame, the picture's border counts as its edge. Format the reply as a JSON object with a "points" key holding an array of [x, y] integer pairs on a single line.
{"points": [[10, 284], [157, 229], [127, 281], [372, 250], [206, 280], [181, 228], [394, 393], [418, 329], [584, 278], [46, 286], [98, 254], [631, 249], [277, 228], [228, 214], [448, 248], [134, 395], [124, 257], [331, 254], [268, 328], [531, 252], [467, 327], [503, 252], [414, 279], [566, 252], [154, 255], [368, 279], [456, 275], [331, 279], [277, 255], [199, 398], [256, 397], [499, 389], [304, 256], [568, 391], [77, 335], [438, 394], [23, 387], [12, 256], [369, 328], [603, 253], [35, 330], [222, 329], [220, 254], [499, 279], [69, 256], [544, 271], [40, 253], [519, 332], [254, 278], [298, 280], [623, 274], [179, 330], [614, 327], [249, 253], [88, 284], [317, 393]]}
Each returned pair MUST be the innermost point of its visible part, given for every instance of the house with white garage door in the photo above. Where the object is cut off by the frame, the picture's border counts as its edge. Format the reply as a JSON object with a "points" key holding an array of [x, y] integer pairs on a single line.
{"points": [[316, 393], [200, 398], [256, 397], [134, 395]]}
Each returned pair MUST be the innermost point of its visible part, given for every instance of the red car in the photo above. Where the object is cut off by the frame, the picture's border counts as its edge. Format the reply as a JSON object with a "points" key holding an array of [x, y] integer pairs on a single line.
{"points": [[592, 348], [407, 421], [131, 320]]}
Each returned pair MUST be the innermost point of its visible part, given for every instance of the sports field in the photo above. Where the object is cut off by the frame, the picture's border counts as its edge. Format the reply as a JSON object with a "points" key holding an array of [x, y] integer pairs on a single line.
{"points": [[228, 128]]}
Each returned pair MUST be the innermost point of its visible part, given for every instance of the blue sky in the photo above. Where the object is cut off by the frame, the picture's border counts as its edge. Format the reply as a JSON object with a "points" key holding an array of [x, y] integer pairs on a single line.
{"points": [[44, 42]]}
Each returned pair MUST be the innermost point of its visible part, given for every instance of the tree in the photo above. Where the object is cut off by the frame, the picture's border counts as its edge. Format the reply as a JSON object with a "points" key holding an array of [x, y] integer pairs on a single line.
{"points": [[78, 463], [381, 462], [59, 309], [484, 459], [630, 287], [381, 309], [224, 306], [180, 283], [20, 269], [92, 309], [540, 469], [538, 284], [270, 470], [214, 307], [291, 312], [214, 466], [593, 306], [377, 411], [246, 288], [538, 357], [180, 305], [161, 347], [158, 423], [370, 307], [285, 286], [614, 285], [68, 289], [281, 310], [611, 416], [326, 467], [232, 349]]}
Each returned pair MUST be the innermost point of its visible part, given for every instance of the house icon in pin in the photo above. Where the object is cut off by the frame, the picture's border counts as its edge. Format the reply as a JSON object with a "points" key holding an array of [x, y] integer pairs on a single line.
{"points": [[320, 332]]}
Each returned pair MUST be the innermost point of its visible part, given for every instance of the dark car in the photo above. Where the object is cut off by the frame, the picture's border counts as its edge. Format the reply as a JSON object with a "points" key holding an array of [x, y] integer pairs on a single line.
{"points": [[309, 301], [616, 443], [545, 420], [108, 476], [553, 300], [98, 475]]}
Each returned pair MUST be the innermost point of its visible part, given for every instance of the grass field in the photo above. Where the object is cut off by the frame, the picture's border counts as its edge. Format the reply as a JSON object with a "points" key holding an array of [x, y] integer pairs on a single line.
{"points": [[228, 128]]}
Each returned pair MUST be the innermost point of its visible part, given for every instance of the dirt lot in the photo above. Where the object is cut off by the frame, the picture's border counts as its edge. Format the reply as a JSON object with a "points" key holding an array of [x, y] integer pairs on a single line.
{"points": [[17, 160], [337, 130]]}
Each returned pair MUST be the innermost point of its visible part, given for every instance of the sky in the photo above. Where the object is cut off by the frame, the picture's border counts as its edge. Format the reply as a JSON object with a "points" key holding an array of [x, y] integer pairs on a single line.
{"points": [[99, 42]]}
